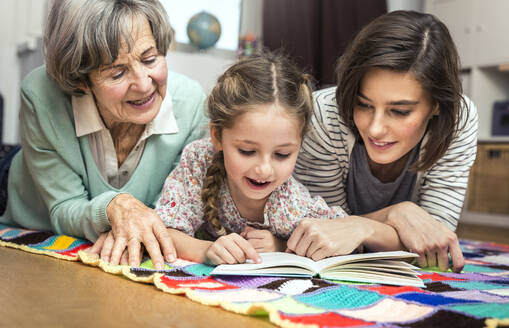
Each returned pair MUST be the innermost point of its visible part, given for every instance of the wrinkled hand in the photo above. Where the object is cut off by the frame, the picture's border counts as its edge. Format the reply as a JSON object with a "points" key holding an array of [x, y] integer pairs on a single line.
{"points": [[133, 223], [422, 234], [263, 240], [107, 238], [319, 238], [231, 249]]}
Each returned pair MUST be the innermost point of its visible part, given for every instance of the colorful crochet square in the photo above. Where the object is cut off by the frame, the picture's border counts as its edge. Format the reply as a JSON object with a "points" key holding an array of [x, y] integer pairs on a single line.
{"points": [[42, 242], [478, 297]]}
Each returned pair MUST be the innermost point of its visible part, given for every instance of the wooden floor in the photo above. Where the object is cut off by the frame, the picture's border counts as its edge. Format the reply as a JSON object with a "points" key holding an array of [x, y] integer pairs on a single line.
{"points": [[485, 233], [41, 291]]}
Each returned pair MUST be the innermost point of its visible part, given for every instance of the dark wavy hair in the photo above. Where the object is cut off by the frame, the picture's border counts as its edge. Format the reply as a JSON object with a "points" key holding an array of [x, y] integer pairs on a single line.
{"points": [[407, 41]]}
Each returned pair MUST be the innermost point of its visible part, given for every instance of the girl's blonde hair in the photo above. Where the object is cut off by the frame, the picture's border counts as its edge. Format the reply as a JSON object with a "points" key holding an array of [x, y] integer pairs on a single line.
{"points": [[264, 78]]}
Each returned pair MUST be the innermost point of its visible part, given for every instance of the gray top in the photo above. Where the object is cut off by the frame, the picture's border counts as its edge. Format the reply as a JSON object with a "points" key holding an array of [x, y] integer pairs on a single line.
{"points": [[366, 194], [324, 161]]}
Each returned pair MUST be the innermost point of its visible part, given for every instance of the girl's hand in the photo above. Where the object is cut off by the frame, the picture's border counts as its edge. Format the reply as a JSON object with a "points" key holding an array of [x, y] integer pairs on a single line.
{"points": [[263, 240], [319, 238], [133, 223], [231, 249], [422, 234]]}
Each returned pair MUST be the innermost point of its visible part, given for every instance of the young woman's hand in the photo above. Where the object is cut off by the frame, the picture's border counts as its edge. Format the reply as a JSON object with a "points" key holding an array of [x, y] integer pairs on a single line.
{"points": [[422, 234], [231, 249], [134, 224], [263, 240], [320, 238]]}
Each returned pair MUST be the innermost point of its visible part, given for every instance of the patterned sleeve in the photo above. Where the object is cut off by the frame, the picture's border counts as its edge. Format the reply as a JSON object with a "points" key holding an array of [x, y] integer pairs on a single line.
{"points": [[292, 202], [180, 206], [322, 164], [442, 189]]}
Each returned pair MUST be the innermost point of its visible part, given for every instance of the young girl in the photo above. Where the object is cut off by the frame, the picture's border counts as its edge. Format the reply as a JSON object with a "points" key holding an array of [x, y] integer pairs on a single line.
{"points": [[237, 185]]}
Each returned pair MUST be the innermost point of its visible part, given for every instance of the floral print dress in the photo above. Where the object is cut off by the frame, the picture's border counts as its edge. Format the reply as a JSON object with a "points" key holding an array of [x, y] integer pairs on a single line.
{"points": [[180, 205]]}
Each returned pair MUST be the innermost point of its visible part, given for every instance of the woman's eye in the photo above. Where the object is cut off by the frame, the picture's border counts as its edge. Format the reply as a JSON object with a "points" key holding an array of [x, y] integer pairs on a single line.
{"points": [[246, 152], [363, 104], [118, 75], [283, 155], [401, 112], [150, 60]]}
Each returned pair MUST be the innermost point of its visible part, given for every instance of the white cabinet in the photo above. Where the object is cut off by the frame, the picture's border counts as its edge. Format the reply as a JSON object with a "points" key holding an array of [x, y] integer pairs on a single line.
{"points": [[455, 13], [480, 30], [491, 32]]}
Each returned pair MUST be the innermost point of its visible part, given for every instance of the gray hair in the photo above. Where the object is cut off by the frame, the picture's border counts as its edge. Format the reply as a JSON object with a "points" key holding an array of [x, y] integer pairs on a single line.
{"points": [[82, 35]]}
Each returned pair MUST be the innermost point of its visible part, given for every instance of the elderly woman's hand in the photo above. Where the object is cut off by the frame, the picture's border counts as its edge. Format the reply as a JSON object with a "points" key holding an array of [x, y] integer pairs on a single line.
{"points": [[422, 234], [133, 223], [107, 238]]}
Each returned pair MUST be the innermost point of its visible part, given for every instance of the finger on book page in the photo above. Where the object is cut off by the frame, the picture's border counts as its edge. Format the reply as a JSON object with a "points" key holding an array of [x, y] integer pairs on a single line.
{"points": [[248, 250]]}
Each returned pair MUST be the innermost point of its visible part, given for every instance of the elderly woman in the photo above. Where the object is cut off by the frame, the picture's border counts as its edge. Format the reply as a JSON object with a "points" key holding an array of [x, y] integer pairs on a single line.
{"points": [[102, 125]]}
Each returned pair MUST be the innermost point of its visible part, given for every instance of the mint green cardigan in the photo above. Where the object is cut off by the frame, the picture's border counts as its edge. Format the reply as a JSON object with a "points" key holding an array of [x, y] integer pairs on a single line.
{"points": [[54, 183]]}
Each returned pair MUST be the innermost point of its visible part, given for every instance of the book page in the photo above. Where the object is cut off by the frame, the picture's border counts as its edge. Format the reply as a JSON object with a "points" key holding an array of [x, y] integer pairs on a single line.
{"points": [[326, 263], [368, 268], [375, 265], [280, 271], [278, 261]]}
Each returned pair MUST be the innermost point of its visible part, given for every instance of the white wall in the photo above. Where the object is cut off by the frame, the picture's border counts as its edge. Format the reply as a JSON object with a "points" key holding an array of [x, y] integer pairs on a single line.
{"points": [[204, 67], [21, 24], [252, 15], [417, 5], [9, 70]]}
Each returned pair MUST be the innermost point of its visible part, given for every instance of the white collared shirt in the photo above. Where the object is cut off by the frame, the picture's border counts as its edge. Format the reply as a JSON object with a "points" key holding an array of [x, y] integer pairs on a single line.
{"points": [[88, 122]]}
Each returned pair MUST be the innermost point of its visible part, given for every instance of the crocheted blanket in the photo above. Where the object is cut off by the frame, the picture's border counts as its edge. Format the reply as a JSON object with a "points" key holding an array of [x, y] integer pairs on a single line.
{"points": [[477, 297]]}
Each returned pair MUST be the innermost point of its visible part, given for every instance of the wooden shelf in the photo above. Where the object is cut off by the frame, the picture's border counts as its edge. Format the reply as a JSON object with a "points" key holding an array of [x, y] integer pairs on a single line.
{"points": [[493, 139], [503, 68], [485, 219]]}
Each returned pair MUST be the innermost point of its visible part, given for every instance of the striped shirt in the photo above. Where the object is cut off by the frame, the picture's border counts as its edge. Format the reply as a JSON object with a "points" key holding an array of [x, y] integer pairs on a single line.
{"points": [[323, 162]]}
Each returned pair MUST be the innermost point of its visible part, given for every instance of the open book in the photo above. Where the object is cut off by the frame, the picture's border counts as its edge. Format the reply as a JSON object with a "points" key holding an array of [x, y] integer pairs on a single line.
{"points": [[381, 267]]}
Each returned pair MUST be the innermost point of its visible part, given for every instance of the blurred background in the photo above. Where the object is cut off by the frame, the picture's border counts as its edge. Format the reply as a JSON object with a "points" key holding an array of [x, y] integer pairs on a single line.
{"points": [[314, 32]]}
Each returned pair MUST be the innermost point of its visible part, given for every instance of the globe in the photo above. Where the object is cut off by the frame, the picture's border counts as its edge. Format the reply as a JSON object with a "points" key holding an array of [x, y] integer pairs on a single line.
{"points": [[203, 30]]}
